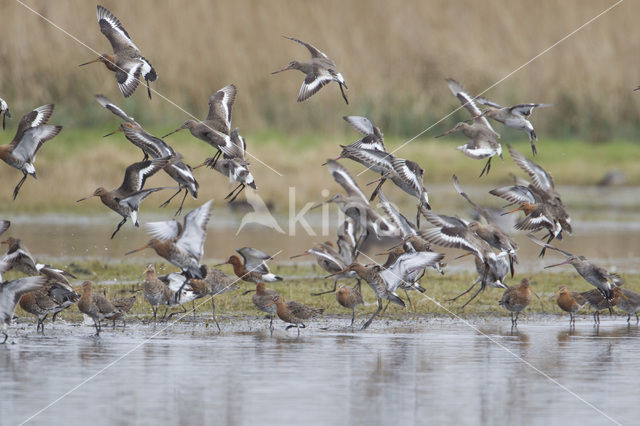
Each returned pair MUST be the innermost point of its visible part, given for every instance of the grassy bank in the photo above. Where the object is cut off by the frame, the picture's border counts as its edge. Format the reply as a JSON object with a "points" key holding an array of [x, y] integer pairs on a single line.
{"points": [[235, 304], [78, 161]]}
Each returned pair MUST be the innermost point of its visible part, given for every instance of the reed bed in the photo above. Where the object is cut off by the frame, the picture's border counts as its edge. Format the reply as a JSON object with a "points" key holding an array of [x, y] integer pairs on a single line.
{"points": [[394, 56]]}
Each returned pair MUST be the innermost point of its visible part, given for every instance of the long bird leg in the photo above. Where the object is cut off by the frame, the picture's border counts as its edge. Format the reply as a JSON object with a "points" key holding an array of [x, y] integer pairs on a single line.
{"points": [[213, 311], [97, 327], [463, 293], [166, 308], [353, 316], [186, 192], [271, 323], [409, 300], [19, 185], [370, 320], [544, 249], [375, 191], [357, 284], [53, 318], [6, 336], [234, 190], [482, 286], [335, 285], [241, 186], [166, 203], [122, 222], [148, 89], [486, 167], [344, 96], [193, 308], [215, 158]]}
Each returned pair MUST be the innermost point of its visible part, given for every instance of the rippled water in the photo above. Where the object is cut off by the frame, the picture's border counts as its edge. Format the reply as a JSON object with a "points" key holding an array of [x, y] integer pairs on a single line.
{"points": [[436, 371]]}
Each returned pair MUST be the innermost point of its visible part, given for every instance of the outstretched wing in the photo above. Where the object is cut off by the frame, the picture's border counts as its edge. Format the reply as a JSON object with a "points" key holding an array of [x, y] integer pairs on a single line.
{"points": [[165, 230], [137, 173], [406, 228], [32, 139], [515, 194], [406, 264], [195, 231], [220, 105], [344, 179], [313, 82], [254, 259], [540, 178], [487, 102], [115, 109], [12, 291], [467, 102], [526, 109], [113, 30], [315, 53]]}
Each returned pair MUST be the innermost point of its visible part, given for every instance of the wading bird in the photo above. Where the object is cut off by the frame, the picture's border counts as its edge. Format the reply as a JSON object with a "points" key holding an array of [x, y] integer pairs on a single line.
{"points": [[293, 312], [96, 306], [350, 298], [262, 300], [127, 61], [319, 71], [253, 267], [125, 200], [155, 148], [10, 294], [181, 244], [630, 303], [570, 301], [33, 131], [597, 301], [515, 299], [595, 275], [214, 282]]}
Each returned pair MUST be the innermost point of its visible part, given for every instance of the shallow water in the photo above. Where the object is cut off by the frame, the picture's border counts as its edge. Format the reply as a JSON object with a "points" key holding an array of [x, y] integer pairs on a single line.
{"points": [[433, 371]]}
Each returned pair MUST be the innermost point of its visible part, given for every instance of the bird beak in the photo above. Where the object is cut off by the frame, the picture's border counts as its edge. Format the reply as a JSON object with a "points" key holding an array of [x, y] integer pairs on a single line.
{"points": [[200, 165], [463, 255], [220, 264], [176, 130], [85, 198], [445, 133], [557, 264], [77, 288], [90, 62], [299, 255], [137, 250], [337, 273], [270, 304], [288, 67], [318, 205], [114, 132], [511, 211]]}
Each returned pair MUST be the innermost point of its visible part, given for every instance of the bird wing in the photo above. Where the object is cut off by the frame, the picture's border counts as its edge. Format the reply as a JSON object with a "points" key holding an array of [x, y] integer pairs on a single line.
{"points": [[467, 102], [33, 118], [336, 261], [344, 179], [361, 124], [12, 291], [238, 145], [409, 172], [195, 231], [377, 161], [443, 220], [113, 30], [525, 109], [515, 194], [128, 76], [254, 259], [137, 173], [154, 146], [370, 142], [4, 225], [406, 264], [487, 102], [115, 109], [537, 219], [452, 237], [539, 177], [220, 105], [406, 228], [313, 82], [32, 139], [134, 199], [315, 53], [165, 230]]}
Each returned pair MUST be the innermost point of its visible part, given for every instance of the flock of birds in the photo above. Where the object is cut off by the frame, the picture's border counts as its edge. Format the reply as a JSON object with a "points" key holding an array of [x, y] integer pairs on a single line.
{"points": [[46, 290]]}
